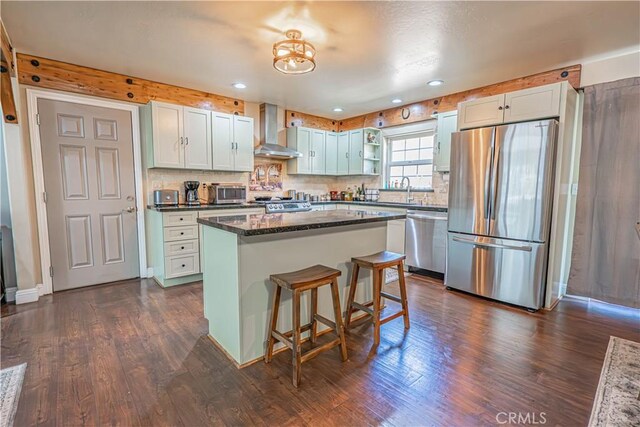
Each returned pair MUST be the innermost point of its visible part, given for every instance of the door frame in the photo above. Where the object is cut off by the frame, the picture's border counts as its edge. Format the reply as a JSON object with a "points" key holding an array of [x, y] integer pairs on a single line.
{"points": [[33, 95]]}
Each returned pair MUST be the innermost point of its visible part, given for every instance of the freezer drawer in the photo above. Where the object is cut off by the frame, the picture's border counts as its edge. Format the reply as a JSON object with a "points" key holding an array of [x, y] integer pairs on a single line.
{"points": [[426, 240], [505, 270]]}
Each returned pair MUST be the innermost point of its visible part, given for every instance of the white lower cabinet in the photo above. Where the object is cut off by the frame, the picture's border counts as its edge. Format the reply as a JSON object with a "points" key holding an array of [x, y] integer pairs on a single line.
{"points": [[182, 265]]}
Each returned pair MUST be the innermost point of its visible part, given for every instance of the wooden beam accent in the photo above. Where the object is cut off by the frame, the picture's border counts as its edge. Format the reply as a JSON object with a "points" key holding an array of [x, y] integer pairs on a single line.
{"points": [[7, 69], [423, 110], [51, 74], [297, 119]]}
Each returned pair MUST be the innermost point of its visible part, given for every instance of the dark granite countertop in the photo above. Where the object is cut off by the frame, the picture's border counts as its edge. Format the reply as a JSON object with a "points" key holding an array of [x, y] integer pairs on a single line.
{"points": [[259, 224], [203, 207], [433, 208]]}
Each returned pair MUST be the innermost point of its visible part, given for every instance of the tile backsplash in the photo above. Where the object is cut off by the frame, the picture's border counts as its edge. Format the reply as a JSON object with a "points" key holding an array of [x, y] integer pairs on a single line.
{"points": [[173, 179]]}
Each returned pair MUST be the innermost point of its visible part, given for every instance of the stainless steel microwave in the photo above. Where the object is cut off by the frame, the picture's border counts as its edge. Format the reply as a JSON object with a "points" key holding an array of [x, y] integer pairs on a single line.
{"points": [[220, 194]]}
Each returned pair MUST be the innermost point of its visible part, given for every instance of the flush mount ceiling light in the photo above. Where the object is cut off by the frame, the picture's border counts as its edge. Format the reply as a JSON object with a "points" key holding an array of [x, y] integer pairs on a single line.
{"points": [[435, 82], [396, 101], [294, 55], [338, 110], [239, 85]]}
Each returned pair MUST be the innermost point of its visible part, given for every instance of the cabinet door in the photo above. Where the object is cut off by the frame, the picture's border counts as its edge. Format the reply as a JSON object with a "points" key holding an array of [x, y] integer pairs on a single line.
{"points": [[318, 147], [303, 145], [243, 139], [532, 104], [356, 148], [447, 124], [481, 112], [343, 153], [197, 139], [331, 153], [222, 131], [168, 148]]}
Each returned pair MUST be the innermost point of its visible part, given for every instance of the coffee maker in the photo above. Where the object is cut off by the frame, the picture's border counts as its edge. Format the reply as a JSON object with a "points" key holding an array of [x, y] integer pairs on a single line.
{"points": [[191, 193]]}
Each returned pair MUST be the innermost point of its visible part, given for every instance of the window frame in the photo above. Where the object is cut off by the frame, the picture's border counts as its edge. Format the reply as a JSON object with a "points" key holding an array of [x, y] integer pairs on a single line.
{"points": [[388, 163]]}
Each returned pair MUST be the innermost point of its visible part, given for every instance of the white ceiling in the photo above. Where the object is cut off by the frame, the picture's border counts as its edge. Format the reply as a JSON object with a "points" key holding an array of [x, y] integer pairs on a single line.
{"points": [[368, 52]]}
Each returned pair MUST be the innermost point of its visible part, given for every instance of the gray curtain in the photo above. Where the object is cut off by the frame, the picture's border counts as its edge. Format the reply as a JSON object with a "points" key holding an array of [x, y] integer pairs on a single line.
{"points": [[605, 263]]}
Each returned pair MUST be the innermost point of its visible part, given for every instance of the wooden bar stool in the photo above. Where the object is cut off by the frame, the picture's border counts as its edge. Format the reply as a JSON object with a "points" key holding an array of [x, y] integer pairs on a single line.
{"points": [[377, 263], [299, 281]]}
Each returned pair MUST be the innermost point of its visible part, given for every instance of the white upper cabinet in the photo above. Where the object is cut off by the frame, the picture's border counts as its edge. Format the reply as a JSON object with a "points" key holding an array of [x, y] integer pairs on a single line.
{"points": [[481, 112], [300, 139], [447, 124], [232, 142], [168, 142], [222, 125], [331, 152], [318, 155], [531, 104], [343, 153], [528, 104], [356, 148], [243, 139], [193, 138], [197, 138]]}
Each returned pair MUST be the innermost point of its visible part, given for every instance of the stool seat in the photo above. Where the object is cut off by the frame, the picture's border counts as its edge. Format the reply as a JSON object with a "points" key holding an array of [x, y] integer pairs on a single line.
{"points": [[377, 263], [308, 279], [382, 259], [305, 277]]}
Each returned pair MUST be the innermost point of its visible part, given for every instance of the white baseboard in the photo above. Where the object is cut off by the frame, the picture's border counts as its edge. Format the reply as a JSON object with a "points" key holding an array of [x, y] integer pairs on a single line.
{"points": [[24, 296], [11, 293]]}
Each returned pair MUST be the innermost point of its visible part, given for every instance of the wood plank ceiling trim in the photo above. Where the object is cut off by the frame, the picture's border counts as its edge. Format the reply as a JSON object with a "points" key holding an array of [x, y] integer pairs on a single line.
{"points": [[423, 110], [7, 69], [52, 74], [297, 119]]}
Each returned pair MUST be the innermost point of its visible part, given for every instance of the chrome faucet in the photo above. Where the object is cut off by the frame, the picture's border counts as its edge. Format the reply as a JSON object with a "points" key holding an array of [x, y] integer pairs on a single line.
{"points": [[409, 198]]}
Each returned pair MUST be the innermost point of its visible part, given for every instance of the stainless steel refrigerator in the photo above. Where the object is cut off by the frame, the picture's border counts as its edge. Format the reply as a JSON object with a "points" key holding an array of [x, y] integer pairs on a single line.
{"points": [[500, 197]]}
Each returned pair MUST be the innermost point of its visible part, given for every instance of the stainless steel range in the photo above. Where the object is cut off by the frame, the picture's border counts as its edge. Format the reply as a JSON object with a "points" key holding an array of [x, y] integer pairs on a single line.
{"points": [[286, 206]]}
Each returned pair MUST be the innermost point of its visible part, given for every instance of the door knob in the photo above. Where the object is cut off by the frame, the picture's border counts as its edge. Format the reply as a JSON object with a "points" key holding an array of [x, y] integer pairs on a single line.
{"points": [[130, 209]]}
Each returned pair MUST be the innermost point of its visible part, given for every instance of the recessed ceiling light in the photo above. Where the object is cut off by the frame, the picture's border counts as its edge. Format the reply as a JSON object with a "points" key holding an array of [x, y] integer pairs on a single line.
{"points": [[396, 101], [338, 110], [239, 85], [435, 82]]}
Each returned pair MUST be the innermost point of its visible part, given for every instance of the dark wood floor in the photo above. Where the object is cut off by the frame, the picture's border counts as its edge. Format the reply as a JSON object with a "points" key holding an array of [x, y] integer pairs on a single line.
{"points": [[135, 354]]}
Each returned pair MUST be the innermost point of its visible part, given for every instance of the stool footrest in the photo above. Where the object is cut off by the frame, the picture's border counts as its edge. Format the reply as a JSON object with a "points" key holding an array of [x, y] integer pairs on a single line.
{"points": [[326, 321], [390, 318], [391, 297], [316, 350], [362, 307]]}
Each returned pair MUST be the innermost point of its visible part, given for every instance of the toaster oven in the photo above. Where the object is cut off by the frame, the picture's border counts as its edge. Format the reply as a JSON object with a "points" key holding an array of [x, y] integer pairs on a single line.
{"points": [[220, 194], [165, 197]]}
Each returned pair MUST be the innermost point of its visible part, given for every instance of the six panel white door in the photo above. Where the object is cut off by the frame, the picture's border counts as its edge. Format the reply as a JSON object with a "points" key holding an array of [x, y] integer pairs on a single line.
{"points": [[222, 130], [197, 139], [243, 138], [168, 143]]}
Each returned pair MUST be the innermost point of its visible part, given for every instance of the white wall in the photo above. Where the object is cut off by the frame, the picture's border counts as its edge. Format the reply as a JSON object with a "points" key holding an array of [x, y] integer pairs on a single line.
{"points": [[611, 68]]}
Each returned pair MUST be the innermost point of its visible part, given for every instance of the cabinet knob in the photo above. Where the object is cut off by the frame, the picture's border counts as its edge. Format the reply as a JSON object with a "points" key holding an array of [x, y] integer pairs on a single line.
{"points": [[500, 108], [182, 233], [182, 247], [506, 107], [181, 219], [184, 265]]}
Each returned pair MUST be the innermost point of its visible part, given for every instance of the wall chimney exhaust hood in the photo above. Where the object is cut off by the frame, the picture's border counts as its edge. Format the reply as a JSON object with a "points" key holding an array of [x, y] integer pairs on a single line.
{"points": [[269, 146]]}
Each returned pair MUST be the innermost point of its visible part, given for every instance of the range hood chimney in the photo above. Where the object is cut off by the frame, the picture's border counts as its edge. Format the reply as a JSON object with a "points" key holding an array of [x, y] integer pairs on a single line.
{"points": [[269, 146]]}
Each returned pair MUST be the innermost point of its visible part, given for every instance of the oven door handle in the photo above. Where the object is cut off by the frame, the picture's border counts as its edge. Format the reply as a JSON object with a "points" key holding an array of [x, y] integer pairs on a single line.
{"points": [[492, 245]]}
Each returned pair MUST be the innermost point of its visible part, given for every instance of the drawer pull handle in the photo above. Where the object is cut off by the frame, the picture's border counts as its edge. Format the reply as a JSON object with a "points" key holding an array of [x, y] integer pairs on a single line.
{"points": [[181, 233], [181, 219], [184, 265], [182, 247]]}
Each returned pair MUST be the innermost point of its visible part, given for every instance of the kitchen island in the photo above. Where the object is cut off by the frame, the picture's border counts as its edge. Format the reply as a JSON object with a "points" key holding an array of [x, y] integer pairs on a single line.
{"points": [[241, 251]]}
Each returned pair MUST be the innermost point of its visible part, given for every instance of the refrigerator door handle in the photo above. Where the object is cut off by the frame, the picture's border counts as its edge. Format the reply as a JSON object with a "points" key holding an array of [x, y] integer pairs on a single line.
{"points": [[488, 181], [492, 245], [494, 176]]}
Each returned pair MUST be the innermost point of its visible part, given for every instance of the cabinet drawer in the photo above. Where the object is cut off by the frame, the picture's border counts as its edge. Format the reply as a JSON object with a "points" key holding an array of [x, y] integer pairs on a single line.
{"points": [[181, 265], [185, 232], [170, 219], [182, 247]]}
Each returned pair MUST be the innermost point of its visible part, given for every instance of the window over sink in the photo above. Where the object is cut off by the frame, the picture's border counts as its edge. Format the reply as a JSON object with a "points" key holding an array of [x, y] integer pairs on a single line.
{"points": [[410, 156]]}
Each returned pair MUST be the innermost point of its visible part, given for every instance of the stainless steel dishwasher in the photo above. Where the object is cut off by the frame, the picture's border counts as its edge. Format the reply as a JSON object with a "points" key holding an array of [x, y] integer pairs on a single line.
{"points": [[426, 240]]}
